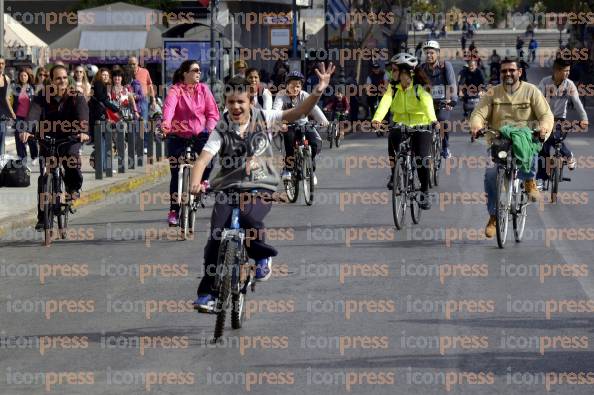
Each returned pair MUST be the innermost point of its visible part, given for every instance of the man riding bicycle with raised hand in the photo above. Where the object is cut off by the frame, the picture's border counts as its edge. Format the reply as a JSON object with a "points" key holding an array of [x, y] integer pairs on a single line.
{"points": [[411, 106], [60, 111], [241, 125], [291, 97], [443, 89], [558, 89], [517, 103]]}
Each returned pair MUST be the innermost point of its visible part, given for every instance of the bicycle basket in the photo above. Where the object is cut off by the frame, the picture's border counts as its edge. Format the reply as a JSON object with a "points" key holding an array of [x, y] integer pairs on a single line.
{"points": [[498, 147]]}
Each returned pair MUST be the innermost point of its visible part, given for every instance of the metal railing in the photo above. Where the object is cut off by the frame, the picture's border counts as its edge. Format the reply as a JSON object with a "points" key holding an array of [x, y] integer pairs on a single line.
{"points": [[128, 138]]}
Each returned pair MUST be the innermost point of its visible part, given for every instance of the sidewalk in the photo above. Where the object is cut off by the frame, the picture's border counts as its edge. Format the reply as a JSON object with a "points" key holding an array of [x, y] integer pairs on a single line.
{"points": [[18, 206]]}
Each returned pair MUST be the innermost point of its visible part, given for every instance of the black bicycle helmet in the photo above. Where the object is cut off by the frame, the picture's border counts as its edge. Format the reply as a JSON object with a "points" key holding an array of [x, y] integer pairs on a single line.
{"points": [[294, 75]]}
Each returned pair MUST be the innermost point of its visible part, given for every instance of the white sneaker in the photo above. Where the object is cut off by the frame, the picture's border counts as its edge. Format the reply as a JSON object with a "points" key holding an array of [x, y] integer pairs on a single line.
{"points": [[286, 175], [145, 150], [539, 184], [35, 162], [315, 179]]}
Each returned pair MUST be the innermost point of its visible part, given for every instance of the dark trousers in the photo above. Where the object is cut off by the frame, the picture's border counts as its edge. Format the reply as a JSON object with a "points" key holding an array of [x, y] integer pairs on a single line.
{"points": [[291, 136], [251, 219], [22, 147], [176, 148], [421, 145], [69, 159]]}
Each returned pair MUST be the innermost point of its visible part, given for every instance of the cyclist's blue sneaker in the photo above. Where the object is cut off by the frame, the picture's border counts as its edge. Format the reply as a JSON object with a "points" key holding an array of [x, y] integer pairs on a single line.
{"points": [[263, 269], [445, 153], [205, 303]]}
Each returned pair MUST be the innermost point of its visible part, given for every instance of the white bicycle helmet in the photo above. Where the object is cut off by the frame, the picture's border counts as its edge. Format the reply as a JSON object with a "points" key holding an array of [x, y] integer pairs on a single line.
{"points": [[431, 44], [91, 70], [404, 58]]}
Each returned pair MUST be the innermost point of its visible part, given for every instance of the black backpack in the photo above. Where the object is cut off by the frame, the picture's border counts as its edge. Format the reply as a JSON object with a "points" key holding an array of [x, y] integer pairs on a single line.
{"points": [[15, 174]]}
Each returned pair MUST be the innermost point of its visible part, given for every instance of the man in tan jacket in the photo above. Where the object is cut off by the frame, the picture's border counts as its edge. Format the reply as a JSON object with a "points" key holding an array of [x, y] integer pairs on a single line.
{"points": [[517, 103]]}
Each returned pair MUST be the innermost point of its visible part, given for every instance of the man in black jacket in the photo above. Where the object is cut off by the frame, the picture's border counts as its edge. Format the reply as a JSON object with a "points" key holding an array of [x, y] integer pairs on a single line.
{"points": [[60, 112]]}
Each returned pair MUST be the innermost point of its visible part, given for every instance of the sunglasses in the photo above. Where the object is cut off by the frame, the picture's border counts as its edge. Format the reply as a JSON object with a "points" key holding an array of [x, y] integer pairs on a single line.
{"points": [[510, 71]]}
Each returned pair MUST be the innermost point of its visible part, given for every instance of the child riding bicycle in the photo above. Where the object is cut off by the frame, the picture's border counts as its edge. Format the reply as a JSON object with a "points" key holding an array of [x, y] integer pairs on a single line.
{"points": [[241, 141]]}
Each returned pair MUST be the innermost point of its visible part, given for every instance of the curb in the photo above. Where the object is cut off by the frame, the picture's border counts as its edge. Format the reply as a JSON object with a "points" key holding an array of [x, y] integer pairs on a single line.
{"points": [[153, 174]]}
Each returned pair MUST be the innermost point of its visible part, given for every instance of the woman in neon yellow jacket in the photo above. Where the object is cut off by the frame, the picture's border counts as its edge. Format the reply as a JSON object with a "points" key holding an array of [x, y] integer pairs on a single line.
{"points": [[411, 105]]}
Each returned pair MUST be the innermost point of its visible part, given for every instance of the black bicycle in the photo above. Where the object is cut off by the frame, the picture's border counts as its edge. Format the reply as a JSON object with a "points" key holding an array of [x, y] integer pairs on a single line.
{"points": [[234, 275], [302, 170], [53, 201], [333, 130], [555, 167], [406, 185], [188, 202]]}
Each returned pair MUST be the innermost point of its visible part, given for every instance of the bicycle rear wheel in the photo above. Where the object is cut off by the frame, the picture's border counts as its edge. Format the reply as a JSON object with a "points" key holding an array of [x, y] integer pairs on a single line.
{"points": [[399, 195], [436, 161], [46, 201], [184, 217], [337, 138], [504, 195], [308, 179], [227, 254], [331, 134]]}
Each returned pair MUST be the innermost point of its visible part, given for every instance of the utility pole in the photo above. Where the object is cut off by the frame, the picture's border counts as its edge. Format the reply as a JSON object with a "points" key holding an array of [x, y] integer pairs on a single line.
{"points": [[213, 51], [2, 28]]}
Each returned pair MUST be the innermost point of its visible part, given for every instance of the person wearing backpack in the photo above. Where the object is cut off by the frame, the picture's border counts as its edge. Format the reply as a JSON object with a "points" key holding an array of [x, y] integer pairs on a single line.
{"points": [[443, 89], [411, 105]]}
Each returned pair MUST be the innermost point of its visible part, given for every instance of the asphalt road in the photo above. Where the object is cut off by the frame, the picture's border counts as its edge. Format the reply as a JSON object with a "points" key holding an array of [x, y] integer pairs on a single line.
{"points": [[354, 306]]}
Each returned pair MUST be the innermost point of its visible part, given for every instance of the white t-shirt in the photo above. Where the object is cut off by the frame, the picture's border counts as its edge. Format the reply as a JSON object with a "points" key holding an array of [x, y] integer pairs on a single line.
{"points": [[215, 141]]}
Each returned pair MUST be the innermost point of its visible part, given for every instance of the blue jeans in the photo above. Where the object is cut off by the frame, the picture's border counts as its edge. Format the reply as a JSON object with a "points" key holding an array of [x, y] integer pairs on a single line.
{"points": [[144, 115], [491, 184]]}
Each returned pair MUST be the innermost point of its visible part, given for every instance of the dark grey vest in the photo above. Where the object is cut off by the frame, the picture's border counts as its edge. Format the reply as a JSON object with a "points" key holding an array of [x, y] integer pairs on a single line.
{"points": [[246, 163]]}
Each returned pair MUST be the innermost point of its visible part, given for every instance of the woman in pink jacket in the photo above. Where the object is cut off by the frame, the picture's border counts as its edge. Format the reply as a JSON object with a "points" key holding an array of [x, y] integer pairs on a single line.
{"points": [[190, 113]]}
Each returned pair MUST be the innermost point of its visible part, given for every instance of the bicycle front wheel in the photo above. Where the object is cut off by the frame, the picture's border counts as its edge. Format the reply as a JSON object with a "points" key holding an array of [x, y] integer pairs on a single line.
{"points": [[46, 202], [519, 215], [399, 194], [184, 217], [308, 179], [415, 194], [238, 297], [224, 272], [436, 161], [504, 195]]}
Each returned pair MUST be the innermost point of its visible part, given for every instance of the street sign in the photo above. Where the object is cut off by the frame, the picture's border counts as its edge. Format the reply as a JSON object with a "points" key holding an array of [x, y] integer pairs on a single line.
{"points": [[280, 37]]}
